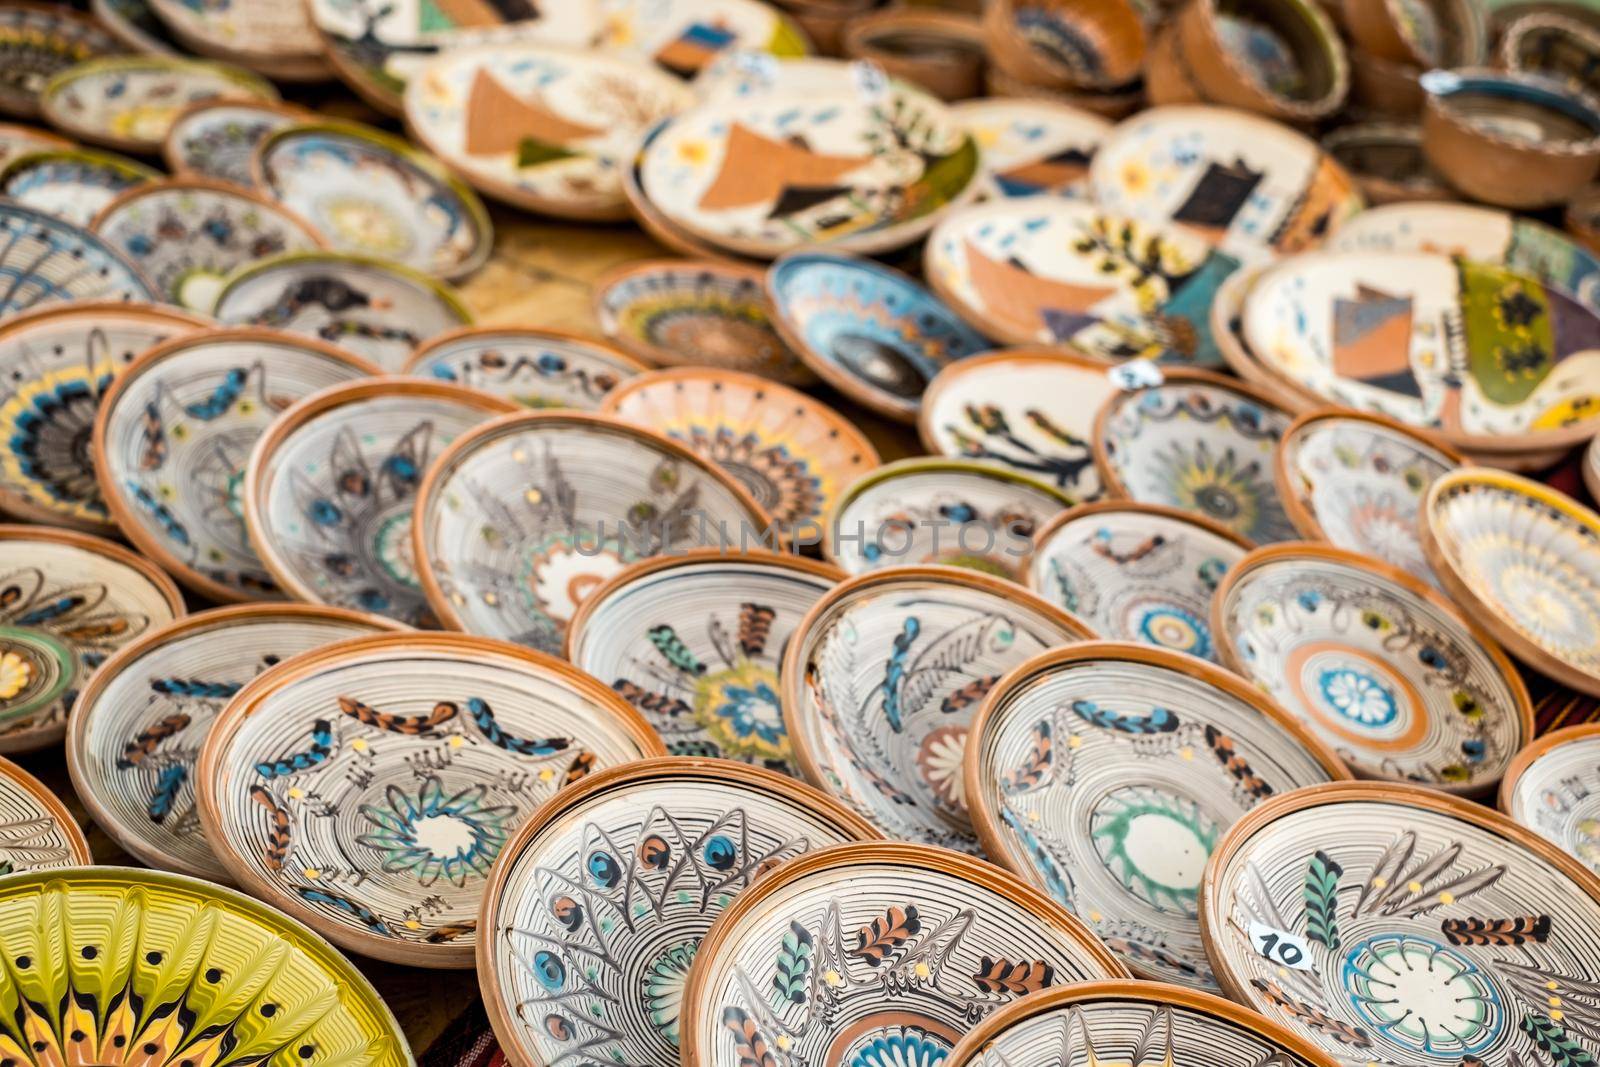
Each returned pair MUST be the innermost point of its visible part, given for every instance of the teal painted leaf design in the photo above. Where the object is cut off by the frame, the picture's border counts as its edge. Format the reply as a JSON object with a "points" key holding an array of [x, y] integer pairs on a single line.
{"points": [[1554, 1041], [674, 651], [794, 965], [1322, 900]]}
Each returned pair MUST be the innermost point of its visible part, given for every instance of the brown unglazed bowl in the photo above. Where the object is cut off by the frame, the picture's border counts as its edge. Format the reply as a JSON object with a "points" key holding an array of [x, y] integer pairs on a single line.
{"points": [[1387, 161], [1385, 89], [1560, 48], [1066, 44], [1425, 33], [942, 51], [1221, 42], [1167, 79]]}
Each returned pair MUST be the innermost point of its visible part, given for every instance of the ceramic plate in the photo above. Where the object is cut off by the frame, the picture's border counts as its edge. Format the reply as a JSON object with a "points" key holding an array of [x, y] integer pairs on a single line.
{"points": [[36, 830], [940, 511], [138, 725], [129, 102], [1381, 667], [372, 194], [685, 36], [1249, 186], [247, 30], [366, 787], [1200, 443], [174, 434], [67, 601], [870, 331], [657, 225], [216, 138], [376, 309], [1105, 774], [330, 484], [18, 140], [1136, 572], [794, 454], [542, 128], [45, 259], [1553, 788], [601, 900], [875, 954], [882, 679], [534, 368], [1033, 146], [1591, 469], [124, 963], [520, 521], [696, 641], [1060, 272], [42, 40], [73, 184], [1389, 924], [55, 365], [744, 75], [135, 25]]}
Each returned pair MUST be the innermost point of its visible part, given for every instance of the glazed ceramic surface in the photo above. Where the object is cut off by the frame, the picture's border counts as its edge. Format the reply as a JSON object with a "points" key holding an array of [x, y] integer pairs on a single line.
{"points": [[1249, 186], [36, 830], [17, 140], [217, 139], [133, 23], [684, 36], [1379, 666], [1033, 146], [70, 183], [39, 41], [534, 368], [1556, 792], [1392, 926], [1591, 469], [45, 259], [130, 102], [251, 29], [375, 309]]}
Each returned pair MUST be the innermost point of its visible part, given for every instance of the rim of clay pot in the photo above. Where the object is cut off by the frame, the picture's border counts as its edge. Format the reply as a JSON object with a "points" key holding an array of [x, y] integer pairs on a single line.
{"points": [[1311, 37], [1532, 752], [956, 52], [1544, 22], [1442, 85], [45, 797], [1118, 22], [1379, 187]]}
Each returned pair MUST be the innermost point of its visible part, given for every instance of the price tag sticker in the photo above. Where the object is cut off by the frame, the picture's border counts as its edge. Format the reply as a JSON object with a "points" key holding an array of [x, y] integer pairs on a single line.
{"points": [[1284, 949], [1136, 374]]}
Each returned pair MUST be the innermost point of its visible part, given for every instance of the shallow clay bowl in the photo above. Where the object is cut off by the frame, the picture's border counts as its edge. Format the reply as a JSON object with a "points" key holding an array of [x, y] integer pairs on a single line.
{"points": [[1280, 58], [1554, 46], [1066, 44], [1424, 33], [942, 51]]}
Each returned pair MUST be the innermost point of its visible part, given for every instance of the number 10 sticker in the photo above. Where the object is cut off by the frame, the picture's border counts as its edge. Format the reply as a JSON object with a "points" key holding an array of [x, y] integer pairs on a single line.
{"points": [[1284, 949]]}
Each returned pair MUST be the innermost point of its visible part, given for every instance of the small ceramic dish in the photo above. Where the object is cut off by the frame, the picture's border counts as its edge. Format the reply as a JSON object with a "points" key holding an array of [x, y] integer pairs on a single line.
{"points": [[1279, 58], [67, 601], [45, 259], [1105, 773], [374, 308], [1067, 44], [1377, 663], [56, 364], [1553, 789], [695, 642], [135, 26], [130, 102], [1033, 146], [72, 184], [217, 138], [949, 511], [1401, 925], [1429, 34], [17, 140], [1553, 45], [939, 51], [213, 958], [1387, 162], [42, 40], [257, 31], [1136, 572], [881, 681], [37, 832], [896, 950], [366, 787], [173, 435], [520, 520], [684, 36], [534, 368], [372, 194], [137, 727], [627, 871]]}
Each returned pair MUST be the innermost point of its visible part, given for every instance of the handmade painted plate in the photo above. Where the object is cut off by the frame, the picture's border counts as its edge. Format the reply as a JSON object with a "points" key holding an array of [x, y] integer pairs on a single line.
{"points": [[366, 787], [375, 308], [67, 601], [135, 26], [685, 36], [696, 641], [72, 184], [534, 368], [1033, 146], [876, 953], [883, 677], [947, 511], [1251, 187], [1553, 789], [868, 330], [1402, 684], [1104, 774], [1389, 924], [173, 437], [243, 30], [657, 225], [138, 725], [1200, 443], [56, 364], [601, 900], [17, 140], [744, 75], [42, 40], [330, 485], [1136, 572], [37, 831], [1591, 469], [372, 194], [519, 521], [216, 138], [45, 259], [130, 102]]}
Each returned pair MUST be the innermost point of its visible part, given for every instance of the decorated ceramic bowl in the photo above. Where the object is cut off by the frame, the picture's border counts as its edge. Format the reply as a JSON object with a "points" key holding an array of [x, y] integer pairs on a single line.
{"points": [[374, 195], [106, 945], [940, 51], [1279, 58], [248, 32], [684, 36], [174, 434], [535, 368], [521, 520], [56, 364], [129, 102], [1104, 774], [73, 184], [1136, 572], [1553, 789], [601, 900], [16, 140], [868, 330], [375, 308], [135, 26], [1402, 684], [42, 40], [216, 138], [1033, 146], [1067, 44], [1553, 45], [1402, 926], [138, 725], [1423, 33], [1387, 162], [45, 259], [37, 832]]}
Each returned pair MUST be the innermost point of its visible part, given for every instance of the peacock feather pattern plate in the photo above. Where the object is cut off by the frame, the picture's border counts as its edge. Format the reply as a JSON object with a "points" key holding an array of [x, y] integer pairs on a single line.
{"points": [[37, 832], [534, 368], [130, 102], [39, 41], [44, 259], [72, 184], [1553, 788], [217, 138]]}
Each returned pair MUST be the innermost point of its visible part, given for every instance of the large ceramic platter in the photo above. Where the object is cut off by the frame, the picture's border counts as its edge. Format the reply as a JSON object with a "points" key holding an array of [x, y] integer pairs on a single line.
{"points": [[696, 641], [129, 102], [685, 36], [1033, 146], [73, 184], [1380, 666], [366, 787], [67, 601], [1553, 788], [876, 953], [173, 436], [1391, 925], [883, 677], [41, 40], [536, 368], [1136, 572], [248, 30], [599, 903], [45, 260], [17, 140], [330, 484], [125, 965], [56, 364], [37, 831], [519, 521], [1252, 187], [216, 138], [138, 725]]}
